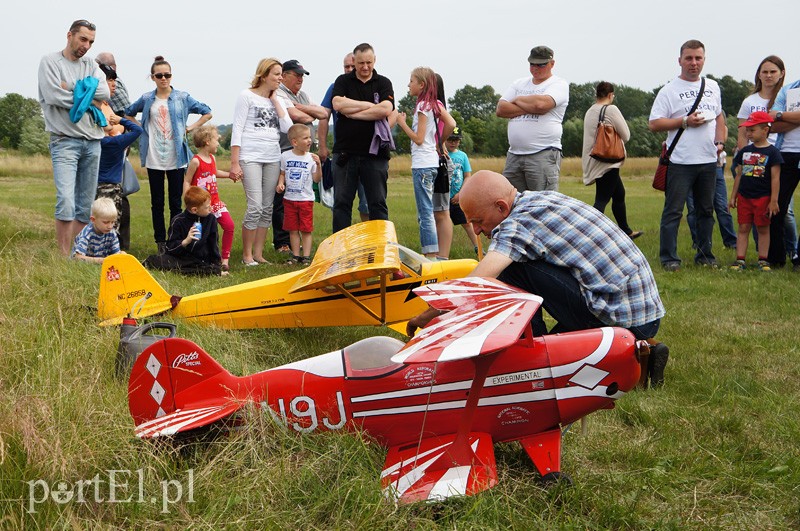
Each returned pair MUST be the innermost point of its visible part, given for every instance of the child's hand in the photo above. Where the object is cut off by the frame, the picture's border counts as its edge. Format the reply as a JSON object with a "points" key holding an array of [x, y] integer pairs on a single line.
{"points": [[772, 208], [315, 157], [732, 203], [401, 117], [454, 199], [280, 188]]}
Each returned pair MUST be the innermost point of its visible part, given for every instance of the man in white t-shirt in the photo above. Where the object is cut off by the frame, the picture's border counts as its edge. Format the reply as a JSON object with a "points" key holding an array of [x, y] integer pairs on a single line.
{"points": [[693, 163], [535, 107]]}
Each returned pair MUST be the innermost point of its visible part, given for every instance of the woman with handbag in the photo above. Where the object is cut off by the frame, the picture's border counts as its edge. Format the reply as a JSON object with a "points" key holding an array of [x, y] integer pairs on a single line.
{"points": [[604, 135], [431, 122]]}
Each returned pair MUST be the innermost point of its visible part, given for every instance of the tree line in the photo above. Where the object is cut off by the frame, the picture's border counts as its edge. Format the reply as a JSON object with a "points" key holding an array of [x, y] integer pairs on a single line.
{"points": [[484, 134]]}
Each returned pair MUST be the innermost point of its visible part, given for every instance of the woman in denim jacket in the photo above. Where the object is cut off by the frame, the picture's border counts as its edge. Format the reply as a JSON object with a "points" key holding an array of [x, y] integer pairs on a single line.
{"points": [[163, 146]]}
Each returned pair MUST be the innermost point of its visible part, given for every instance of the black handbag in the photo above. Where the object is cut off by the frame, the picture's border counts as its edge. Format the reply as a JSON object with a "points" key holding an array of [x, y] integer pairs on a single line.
{"points": [[446, 167]]}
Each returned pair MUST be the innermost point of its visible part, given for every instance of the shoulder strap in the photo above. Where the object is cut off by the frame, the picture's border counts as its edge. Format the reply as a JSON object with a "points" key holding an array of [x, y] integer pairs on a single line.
{"points": [[602, 116], [691, 111]]}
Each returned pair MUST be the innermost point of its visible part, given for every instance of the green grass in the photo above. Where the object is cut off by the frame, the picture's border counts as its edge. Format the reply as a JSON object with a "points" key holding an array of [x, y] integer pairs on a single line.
{"points": [[716, 448]]}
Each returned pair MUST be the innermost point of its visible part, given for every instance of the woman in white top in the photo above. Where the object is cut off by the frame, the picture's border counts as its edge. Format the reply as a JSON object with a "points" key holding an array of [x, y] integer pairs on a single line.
{"points": [[259, 118], [431, 125], [768, 82], [605, 175], [769, 79]]}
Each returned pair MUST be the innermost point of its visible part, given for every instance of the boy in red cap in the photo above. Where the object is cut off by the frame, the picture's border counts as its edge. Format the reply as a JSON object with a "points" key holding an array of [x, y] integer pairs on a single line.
{"points": [[755, 189]]}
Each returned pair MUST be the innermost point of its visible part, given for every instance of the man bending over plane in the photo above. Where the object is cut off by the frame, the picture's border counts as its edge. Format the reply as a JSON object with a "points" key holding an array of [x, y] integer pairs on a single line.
{"points": [[589, 273]]}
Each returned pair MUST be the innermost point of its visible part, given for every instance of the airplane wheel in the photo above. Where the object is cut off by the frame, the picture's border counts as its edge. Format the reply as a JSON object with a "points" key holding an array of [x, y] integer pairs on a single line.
{"points": [[552, 479]]}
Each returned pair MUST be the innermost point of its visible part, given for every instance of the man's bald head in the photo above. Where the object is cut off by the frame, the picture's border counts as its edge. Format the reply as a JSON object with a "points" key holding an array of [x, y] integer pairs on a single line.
{"points": [[106, 58], [486, 199]]}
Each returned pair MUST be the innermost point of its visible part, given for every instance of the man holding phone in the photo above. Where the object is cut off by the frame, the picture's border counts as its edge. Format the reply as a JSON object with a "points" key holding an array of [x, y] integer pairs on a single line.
{"points": [[693, 161]]}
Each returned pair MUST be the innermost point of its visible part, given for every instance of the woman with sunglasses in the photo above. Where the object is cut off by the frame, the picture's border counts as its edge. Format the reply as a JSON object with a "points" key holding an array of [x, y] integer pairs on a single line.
{"points": [[163, 146]]}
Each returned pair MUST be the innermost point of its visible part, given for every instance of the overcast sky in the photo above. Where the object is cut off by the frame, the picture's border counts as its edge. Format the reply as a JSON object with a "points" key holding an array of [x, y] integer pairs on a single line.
{"points": [[214, 47]]}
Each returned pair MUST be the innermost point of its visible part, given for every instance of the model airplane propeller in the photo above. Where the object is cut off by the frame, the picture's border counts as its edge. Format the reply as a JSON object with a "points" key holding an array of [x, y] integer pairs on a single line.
{"points": [[475, 376], [359, 276]]}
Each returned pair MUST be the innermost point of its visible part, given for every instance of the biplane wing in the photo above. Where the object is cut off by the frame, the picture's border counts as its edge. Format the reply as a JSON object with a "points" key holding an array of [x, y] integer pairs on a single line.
{"points": [[484, 316], [423, 471]]}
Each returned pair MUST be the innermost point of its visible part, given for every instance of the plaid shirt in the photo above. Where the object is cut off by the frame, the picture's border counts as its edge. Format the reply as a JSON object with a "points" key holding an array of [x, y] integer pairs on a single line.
{"points": [[88, 242], [120, 99], [614, 275]]}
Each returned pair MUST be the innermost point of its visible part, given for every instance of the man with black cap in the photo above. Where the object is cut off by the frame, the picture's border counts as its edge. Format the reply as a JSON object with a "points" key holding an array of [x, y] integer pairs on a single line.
{"points": [[301, 111], [535, 107], [120, 99]]}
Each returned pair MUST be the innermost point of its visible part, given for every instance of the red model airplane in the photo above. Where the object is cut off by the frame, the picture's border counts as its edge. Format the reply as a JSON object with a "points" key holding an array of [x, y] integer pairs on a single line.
{"points": [[473, 377]]}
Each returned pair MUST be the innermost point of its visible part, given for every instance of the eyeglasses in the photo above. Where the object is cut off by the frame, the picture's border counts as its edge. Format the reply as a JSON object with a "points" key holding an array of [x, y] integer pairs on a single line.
{"points": [[162, 75], [82, 23], [535, 65]]}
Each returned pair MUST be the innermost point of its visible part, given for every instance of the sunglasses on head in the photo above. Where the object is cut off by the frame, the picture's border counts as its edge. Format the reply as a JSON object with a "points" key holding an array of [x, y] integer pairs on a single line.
{"points": [[83, 23], [162, 75]]}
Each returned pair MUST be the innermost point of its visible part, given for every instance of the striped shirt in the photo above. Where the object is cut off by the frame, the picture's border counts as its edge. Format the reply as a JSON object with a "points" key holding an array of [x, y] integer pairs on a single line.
{"points": [[88, 242], [615, 278]]}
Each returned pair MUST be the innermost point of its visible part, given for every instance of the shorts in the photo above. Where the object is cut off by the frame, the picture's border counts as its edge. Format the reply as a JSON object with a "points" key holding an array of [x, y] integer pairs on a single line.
{"points": [[298, 215], [752, 211], [457, 215]]}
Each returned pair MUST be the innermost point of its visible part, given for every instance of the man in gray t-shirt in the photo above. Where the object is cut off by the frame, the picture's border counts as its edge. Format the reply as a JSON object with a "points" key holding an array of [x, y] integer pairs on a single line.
{"points": [[74, 145]]}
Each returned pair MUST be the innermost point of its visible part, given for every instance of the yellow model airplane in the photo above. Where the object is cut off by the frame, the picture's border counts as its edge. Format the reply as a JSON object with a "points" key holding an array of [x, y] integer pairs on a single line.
{"points": [[359, 276]]}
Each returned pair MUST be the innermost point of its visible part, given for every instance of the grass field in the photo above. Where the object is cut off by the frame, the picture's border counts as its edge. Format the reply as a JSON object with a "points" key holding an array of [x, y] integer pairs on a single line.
{"points": [[718, 447]]}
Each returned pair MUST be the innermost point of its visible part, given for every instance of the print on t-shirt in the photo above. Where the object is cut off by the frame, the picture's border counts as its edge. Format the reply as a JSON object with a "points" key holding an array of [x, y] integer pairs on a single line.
{"points": [[266, 117], [754, 164]]}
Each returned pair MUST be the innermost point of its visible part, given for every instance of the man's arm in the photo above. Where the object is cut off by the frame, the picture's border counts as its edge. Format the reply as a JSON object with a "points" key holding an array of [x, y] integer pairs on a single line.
{"points": [[317, 112], [298, 116], [345, 105], [51, 88], [507, 109], [377, 111], [322, 139], [535, 103]]}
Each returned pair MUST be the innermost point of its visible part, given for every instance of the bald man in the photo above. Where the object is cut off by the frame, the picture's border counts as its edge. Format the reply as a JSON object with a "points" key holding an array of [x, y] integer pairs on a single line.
{"points": [[588, 271]]}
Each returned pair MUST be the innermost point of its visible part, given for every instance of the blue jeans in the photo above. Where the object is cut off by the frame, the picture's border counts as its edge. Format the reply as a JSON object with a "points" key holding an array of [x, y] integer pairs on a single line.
{"points": [[348, 171], [75, 165], [423, 194], [563, 299], [362, 200], [724, 218], [700, 179]]}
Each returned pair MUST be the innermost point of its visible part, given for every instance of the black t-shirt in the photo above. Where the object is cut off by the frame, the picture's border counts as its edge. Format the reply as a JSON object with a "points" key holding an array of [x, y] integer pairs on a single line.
{"points": [[355, 136], [756, 164]]}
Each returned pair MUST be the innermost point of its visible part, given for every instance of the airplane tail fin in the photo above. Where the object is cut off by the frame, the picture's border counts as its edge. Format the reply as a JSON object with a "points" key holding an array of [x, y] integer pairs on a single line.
{"points": [[127, 288], [175, 386]]}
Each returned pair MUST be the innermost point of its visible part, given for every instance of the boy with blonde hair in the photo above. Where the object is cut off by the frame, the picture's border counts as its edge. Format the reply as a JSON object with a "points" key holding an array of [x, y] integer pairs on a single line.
{"points": [[98, 239], [299, 170]]}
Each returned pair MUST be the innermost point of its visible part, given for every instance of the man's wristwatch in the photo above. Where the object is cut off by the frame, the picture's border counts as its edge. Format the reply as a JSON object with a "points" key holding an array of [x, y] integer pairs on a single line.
{"points": [[719, 143], [779, 116]]}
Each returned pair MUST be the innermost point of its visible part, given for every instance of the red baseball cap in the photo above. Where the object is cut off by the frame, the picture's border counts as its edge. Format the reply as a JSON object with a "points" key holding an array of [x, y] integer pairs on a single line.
{"points": [[758, 117]]}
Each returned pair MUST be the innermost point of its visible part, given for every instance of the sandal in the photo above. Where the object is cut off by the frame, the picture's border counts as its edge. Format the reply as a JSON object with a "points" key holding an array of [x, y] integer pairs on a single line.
{"points": [[251, 263]]}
